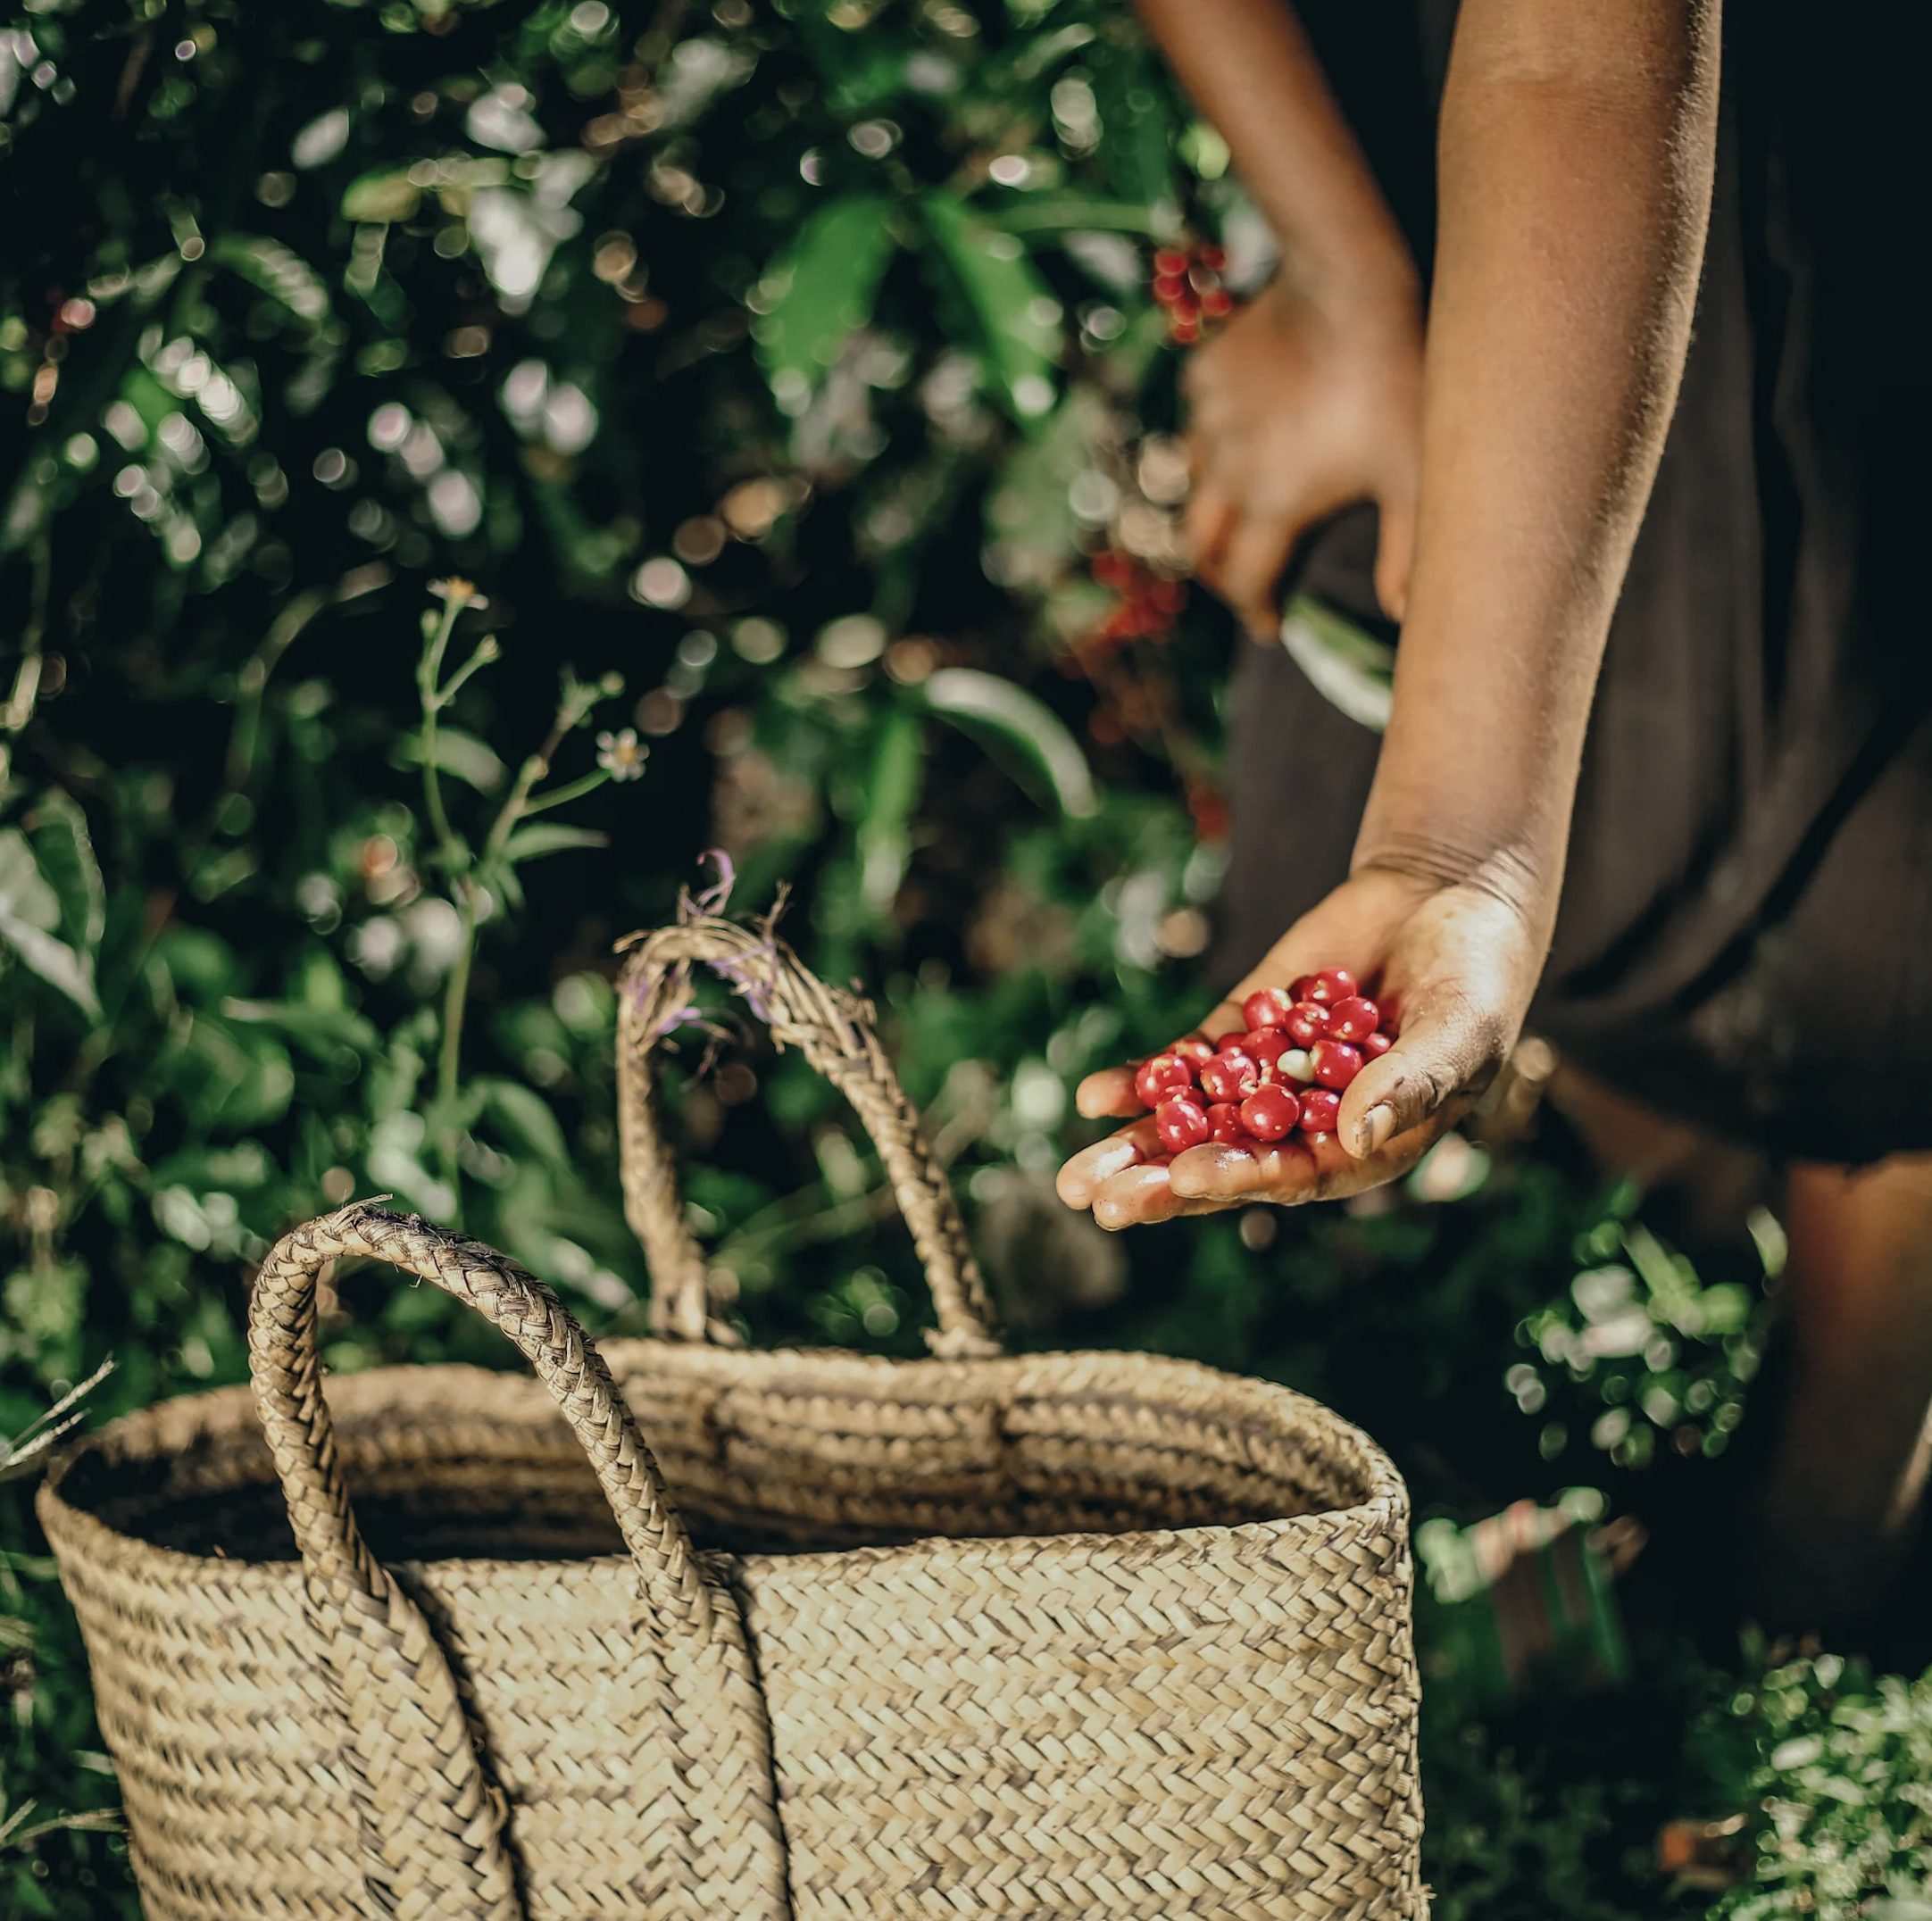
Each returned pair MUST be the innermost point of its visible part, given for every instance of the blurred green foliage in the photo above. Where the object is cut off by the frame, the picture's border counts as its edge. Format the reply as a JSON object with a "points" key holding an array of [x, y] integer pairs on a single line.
{"points": [[789, 365]]}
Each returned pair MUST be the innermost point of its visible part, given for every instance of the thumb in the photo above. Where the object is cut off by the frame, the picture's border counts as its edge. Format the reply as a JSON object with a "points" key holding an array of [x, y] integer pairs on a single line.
{"points": [[1395, 552], [1448, 1046]]}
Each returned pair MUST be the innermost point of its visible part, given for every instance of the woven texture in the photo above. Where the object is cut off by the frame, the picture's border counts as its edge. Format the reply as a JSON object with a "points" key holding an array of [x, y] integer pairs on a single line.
{"points": [[1059, 1635]]}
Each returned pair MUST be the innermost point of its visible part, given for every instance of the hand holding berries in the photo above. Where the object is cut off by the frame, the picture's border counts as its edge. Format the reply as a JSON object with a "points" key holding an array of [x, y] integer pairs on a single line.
{"points": [[1285, 1073], [1452, 964]]}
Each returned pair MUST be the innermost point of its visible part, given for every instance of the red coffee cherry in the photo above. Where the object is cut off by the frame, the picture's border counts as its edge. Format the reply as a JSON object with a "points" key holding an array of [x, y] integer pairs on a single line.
{"points": [[1234, 1038], [1271, 1113], [1163, 1075], [1307, 1023], [1354, 1019], [1224, 1123], [1230, 1076], [1336, 1063], [1375, 1045], [1182, 1123], [1318, 1108], [1330, 984], [1266, 1006], [1192, 1050], [1264, 1047]]}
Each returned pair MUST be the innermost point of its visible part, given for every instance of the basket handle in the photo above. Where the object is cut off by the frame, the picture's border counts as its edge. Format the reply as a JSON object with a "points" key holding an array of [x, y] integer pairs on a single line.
{"points": [[834, 1030], [428, 1811]]}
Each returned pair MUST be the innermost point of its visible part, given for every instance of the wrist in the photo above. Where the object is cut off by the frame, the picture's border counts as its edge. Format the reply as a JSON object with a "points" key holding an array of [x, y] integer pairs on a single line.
{"points": [[1359, 273], [1524, 879]]}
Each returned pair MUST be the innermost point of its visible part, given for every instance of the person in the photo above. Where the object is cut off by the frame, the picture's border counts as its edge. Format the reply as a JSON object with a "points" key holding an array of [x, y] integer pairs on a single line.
{"points": [[1644, 458]]}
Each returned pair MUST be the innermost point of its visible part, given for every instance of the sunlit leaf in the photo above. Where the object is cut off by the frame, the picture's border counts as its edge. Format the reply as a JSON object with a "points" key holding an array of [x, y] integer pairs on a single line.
{"points": [[1015, 319], [1137, 153], [458, 753], [1077, 214], [388, 194], [527, 844], [323, 1031], [64, 849], [974, 700], [224, 1073], [822, 288], [1349, 666], [24, 893], [892, 791], [55, 961], [528, 1117], [275, 270]]}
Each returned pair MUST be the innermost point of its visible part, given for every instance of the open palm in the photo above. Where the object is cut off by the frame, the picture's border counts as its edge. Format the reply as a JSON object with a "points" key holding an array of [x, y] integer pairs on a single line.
{"points": [[1453, 965]]}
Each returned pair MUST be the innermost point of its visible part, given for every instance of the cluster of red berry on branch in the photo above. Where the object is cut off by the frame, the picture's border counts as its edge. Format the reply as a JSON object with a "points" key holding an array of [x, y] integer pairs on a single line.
{"points": [[1148, 601], [1285, 1073], [1187, 282]]}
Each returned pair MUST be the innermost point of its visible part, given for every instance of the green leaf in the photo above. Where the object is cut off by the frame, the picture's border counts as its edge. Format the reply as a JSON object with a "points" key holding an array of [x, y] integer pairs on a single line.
{"points": [[387, 194], [821, 289], [393, 1160], [277, 271], [1014, 318], [1137, 151], [1349, 668], [227, 1074], [55, 961], [528, 1117], [456, 752], [323, 1031], [885, 841], [24, 894], [528, 842], [981, 702], [64, 850], [1076, 213]]}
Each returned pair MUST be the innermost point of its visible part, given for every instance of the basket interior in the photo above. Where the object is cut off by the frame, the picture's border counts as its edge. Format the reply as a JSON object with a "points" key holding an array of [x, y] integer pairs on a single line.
{"points": [[451, 1463]]}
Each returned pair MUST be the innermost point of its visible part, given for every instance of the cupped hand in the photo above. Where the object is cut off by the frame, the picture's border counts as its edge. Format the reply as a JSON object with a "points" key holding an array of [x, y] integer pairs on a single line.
{"points": [[1305, 403], [1454, 965]]}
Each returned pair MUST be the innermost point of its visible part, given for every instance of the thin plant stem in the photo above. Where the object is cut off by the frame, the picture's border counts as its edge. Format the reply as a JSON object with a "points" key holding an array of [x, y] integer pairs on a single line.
{"points": [[576, 702]]}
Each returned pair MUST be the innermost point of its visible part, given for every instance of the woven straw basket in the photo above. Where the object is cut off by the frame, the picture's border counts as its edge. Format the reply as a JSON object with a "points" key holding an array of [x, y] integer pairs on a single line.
{"points": [[1087, 1635]]}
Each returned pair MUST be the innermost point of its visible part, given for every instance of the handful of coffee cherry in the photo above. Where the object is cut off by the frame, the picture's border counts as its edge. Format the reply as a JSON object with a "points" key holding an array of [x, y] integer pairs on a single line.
{"points": [[1284, 1074]]}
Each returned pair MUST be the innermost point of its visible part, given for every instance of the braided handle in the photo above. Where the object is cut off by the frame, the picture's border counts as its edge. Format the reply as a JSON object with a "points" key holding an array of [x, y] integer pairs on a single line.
{"points": [[834, 1031], [431, 1823]]}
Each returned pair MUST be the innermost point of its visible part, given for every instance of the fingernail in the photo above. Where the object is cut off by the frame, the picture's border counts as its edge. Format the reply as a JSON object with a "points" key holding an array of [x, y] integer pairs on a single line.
{"points": [[1377, 1124]]}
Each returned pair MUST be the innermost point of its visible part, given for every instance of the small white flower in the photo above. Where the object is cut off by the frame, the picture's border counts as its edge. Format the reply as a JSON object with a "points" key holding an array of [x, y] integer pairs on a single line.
{"points": [[621, 756]]}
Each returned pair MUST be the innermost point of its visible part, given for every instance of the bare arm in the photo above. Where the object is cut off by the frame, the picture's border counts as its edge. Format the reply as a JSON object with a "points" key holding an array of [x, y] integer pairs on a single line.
{"points": [[1312, 398], [1249, 65], [1577, 147], [1576, 154]]}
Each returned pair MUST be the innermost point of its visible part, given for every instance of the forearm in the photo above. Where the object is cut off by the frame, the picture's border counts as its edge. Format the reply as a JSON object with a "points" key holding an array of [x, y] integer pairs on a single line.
{"points": [[1576, 154], [1249, 68]]}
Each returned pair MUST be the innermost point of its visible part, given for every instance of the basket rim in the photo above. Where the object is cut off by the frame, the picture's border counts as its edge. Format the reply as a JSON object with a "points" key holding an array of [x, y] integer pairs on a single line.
{"points": [[1386, 1499]]}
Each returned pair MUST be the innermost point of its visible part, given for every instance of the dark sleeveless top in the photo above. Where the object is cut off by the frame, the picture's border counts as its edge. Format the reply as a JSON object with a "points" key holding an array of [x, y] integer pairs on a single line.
{"points": [[1745, 934]]}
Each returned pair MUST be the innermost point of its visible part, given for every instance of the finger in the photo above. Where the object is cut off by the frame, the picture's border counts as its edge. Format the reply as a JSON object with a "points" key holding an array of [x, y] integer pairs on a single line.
{"points": [[1109, 1092], [1141, 1195], [1395, 552], [1208, 521], [1080, 1180], [1251, 566], [1448, 1045], [1231, 1176]]}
